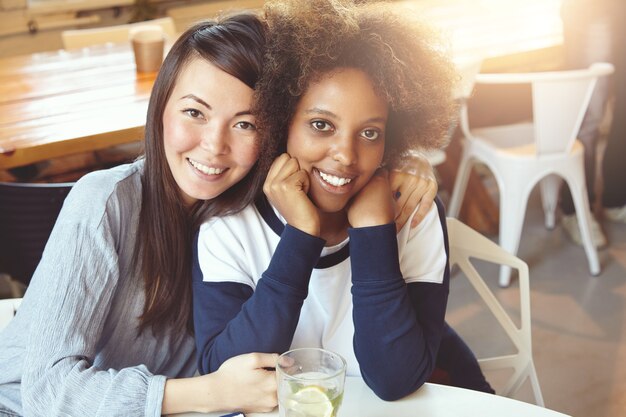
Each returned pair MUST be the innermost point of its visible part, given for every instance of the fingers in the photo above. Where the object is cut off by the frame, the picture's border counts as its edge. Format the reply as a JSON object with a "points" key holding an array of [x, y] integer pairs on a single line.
{"points": [[286, 188], [413, 184], [373, 204], [403, 186], [284, 172], [278, 167], [248, 382], [402, 213], [263, 360], [426, 203], [286, 361], [269, 393], [412, 191]]}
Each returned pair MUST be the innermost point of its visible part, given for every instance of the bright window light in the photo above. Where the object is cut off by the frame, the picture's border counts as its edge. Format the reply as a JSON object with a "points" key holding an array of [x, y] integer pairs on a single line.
{"points": [[493, 27]]}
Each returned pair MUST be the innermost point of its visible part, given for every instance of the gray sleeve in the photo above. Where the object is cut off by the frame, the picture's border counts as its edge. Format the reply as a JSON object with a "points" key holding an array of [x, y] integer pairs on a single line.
{"points": [[69, 298]]}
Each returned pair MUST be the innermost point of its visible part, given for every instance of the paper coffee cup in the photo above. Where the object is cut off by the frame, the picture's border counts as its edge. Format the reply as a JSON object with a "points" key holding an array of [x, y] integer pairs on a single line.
{"points": [[148, 44]]}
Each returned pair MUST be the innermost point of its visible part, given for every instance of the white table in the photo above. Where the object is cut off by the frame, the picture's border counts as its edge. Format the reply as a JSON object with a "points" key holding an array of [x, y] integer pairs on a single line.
{"points": [[431, 400]]}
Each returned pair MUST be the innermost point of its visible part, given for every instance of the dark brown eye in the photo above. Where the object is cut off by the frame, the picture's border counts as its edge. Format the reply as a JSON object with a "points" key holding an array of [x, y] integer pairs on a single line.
{"points": [[245, 126], [321, 125], [371, 134], [193, 113]]}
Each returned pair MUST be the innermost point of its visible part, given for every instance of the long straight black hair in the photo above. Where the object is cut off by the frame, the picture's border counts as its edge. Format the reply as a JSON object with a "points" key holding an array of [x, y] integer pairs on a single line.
{"points": [[234, 44]]}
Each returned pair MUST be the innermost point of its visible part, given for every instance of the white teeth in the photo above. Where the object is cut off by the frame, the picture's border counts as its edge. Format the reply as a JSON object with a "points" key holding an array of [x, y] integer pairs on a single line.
{"points": [[205, 169], [332, 180]]}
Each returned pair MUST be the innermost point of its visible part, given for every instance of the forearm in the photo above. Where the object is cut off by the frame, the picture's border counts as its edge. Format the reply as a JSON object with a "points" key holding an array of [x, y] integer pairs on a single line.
{"points": [[396, 337], [265, 322], [66, 370], [75, 388], [185, 395], [230, 319]]}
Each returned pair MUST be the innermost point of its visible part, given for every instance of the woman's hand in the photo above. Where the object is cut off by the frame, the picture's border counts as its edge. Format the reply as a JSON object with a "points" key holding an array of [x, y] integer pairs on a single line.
{"points": [[373, 205], [413, 183], [248, 382], [286, 187], [243, 383]]}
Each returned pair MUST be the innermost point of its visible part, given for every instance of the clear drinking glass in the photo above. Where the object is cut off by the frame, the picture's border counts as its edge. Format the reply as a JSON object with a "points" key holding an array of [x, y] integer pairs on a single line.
{"points": [[310, 383]]}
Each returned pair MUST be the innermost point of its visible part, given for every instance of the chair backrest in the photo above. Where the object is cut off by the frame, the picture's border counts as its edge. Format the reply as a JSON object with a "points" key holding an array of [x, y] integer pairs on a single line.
{"points": [[560, 100], [8, 308], [80, 38], [466, 244], [27, 214]]}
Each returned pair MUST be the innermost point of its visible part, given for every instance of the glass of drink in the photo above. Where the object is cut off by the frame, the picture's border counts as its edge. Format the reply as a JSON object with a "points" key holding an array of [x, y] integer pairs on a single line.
{"points": [[310, 383]]}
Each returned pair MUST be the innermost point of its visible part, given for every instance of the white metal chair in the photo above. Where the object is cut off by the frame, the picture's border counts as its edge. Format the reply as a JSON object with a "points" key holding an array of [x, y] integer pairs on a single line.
{"points": [[8, 308], [466, 244], [521, 155], [80, 38]]}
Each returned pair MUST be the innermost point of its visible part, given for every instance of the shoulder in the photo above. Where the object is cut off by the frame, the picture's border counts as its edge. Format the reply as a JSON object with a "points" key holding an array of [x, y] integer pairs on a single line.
{"points": [[424, 250], [242, 221], [102, 193], [229, 247], [104, 183]]}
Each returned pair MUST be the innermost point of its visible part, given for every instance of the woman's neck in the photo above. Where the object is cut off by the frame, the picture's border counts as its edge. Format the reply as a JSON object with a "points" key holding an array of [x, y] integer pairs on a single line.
{"points": [[334, 227]]}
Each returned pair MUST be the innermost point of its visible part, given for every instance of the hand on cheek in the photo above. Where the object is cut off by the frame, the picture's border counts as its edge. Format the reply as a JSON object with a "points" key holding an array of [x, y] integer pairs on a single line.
{"points": [[286, 187], [373, 205]]}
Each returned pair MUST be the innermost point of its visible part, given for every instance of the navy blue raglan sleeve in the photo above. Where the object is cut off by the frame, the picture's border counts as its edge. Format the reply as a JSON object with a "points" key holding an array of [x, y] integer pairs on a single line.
{"points": [[398, 326], [230, 318]]}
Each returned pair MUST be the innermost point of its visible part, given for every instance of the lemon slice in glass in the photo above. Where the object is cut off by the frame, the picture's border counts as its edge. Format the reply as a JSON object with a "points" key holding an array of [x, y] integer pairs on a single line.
{"points": [[312, 401]]}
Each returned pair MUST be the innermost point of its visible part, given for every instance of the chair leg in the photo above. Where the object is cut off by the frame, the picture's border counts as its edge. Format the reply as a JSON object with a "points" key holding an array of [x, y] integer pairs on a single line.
{"points": [[460, 184], [578, 189], [512, 212], [550, 186], [534, 383]]}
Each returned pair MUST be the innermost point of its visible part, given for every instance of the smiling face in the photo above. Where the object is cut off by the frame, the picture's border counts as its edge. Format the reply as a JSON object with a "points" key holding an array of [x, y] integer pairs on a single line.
{"points": [[338, 136], [209, 132]]}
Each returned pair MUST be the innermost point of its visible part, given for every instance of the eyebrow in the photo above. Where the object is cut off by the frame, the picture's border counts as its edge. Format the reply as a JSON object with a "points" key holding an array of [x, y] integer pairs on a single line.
{"points": [[205, 104], [198, 99], [317, 110]]}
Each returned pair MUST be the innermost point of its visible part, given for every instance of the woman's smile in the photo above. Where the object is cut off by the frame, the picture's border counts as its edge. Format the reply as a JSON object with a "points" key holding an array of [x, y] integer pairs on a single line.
{"points": [[338, 136]]}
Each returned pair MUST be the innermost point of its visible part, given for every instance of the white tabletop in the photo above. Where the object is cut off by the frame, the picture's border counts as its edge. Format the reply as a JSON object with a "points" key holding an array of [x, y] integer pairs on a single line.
{"points": [[431, 400]]}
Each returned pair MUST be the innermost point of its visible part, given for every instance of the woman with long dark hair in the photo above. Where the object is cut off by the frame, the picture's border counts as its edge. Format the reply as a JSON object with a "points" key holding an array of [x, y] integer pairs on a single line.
{"points": [[104, 328]]}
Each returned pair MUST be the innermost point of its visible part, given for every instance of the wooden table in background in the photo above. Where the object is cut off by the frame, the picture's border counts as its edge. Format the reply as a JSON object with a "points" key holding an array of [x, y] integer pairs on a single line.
{"points": [[61, 103]]}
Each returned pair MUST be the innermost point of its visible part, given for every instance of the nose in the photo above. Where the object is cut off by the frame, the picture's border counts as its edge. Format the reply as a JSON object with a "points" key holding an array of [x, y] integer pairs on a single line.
{"points": [[215, 139], [344, 150]]}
